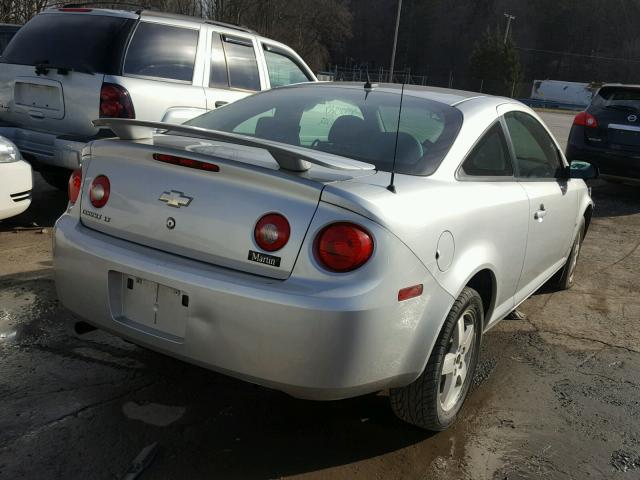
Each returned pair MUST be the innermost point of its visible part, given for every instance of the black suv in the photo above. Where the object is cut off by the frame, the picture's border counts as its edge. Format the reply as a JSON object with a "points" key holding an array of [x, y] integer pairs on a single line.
{"points": [[7, 32], [607, 134]]}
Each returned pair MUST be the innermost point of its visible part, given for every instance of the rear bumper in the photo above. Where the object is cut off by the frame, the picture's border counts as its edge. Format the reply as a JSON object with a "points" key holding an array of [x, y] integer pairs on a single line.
{"points": [[610, 162], [16, 183], [48, 149], [310, 340]]}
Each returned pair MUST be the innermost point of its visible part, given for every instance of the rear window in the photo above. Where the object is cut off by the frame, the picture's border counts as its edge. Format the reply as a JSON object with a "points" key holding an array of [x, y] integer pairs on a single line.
{"points": [[346, 121], [625, 98], [80, 42]]}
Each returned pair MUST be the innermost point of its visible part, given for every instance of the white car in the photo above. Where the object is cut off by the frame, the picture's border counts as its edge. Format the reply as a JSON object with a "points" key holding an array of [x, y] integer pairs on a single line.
{"points": [[16, 181]]}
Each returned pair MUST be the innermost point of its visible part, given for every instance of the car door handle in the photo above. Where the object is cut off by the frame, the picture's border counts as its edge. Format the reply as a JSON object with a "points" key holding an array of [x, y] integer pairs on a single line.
{"points": [[220, 103], [540, 214]]}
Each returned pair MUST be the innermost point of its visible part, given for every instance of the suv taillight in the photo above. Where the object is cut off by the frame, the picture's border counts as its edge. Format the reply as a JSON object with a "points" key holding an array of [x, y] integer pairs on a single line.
{"points": [[115, 102], [343, 247], [75, 184], [585, 119]]}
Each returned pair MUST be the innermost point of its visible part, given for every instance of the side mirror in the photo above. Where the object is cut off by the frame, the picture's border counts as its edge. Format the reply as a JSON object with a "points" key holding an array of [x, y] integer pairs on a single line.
{"points": [[583, 170]]}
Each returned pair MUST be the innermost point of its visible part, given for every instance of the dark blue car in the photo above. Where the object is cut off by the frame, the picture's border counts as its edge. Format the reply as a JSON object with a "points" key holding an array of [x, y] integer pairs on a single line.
{"points": [[607, 133]]}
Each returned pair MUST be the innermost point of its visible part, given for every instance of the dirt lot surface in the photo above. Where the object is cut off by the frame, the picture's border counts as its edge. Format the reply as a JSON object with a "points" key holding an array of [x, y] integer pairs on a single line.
{"points": [[556, 396]]}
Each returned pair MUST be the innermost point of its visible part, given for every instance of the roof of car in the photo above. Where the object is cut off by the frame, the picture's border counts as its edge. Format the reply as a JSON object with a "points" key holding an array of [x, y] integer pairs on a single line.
{"points": [[447, 96]]}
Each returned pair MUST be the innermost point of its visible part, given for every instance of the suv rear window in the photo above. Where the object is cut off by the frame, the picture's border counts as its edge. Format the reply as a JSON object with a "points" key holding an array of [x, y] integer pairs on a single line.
{"points": [[614, 97], [69, 40]]}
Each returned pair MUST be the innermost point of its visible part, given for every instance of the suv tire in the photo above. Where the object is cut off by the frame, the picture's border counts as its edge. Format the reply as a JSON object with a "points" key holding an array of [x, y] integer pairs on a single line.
{"points": [[56, 177]]}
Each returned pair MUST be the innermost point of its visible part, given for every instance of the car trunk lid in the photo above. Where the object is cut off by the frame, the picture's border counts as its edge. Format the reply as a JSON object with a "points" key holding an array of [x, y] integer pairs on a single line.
{"points": [[204, 215]]}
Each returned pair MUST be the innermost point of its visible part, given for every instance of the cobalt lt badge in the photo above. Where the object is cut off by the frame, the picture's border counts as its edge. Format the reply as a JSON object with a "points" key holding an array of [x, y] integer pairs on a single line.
{"points": [[171, 223]]}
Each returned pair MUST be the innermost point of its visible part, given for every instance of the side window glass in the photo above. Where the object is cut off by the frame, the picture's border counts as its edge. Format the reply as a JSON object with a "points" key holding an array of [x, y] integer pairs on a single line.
{"points": [[242, 64], [316, 123], [218, 76], [536, 154], [490, 157], [283, 70], [162, 51]]}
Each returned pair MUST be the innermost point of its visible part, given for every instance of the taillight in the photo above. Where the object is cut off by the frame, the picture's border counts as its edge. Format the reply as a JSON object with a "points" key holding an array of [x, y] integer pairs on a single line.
{"points": [[272, 232], [115, 102], [585, 119], [343, 247], [99, 191], [186, 162], [75, 184]]}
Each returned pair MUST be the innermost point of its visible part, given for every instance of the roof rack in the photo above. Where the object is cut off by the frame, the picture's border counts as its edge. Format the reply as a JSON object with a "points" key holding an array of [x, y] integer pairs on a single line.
{"points": [[112, 5], [178, 16], [149, 10]]}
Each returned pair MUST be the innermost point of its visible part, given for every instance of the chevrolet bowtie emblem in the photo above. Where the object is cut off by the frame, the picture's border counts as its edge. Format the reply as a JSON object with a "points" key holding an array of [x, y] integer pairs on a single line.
{"points": [[175, 199]]}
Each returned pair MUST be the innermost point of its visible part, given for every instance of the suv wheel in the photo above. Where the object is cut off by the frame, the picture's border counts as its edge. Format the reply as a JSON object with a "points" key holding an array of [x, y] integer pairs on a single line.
{"points": [[434, 399]]}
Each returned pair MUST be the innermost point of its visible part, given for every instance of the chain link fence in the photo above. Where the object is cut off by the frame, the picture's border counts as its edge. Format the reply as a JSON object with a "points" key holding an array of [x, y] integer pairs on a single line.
{"points": [[520, 90]]}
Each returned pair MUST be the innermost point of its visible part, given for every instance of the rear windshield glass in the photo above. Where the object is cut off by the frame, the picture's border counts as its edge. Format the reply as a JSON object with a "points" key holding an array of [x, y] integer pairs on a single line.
{"points": [[346, 121], [80, 42], [623, 98]]}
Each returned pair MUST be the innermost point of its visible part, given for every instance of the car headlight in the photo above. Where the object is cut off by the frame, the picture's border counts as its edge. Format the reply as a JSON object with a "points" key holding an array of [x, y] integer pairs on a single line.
{"points": [[8, 151]]}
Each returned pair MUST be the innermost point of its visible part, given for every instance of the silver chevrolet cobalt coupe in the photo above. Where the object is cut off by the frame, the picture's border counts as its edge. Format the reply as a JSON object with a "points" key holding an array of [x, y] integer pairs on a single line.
{"points": [[326, 240]]}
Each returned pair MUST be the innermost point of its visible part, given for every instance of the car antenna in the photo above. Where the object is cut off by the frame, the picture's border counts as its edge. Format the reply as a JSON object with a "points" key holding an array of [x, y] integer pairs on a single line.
{"points": [[391, 187], [368, 87]]}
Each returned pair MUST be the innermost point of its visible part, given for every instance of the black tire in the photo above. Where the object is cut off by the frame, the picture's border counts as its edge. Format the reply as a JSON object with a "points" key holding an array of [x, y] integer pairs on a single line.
{"points": [[566, 277], [56, 177], [420, 403]]}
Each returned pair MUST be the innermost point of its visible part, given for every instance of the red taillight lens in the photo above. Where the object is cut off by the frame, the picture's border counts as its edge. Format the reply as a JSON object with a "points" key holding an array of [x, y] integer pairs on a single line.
{"points": [[99, 191], [186, 162], [75, 184], [410, 292], [342, 247], [585, 119], [272, 232], [115, 102]]}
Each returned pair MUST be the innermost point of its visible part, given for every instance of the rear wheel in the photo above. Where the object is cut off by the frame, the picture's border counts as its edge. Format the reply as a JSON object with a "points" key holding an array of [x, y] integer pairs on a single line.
{"points": [[434, 399], [56, 177], [567, 274]]}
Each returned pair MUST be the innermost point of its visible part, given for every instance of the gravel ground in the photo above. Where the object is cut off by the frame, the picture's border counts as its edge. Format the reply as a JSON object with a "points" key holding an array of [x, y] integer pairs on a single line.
{"points": [[556, 396]]}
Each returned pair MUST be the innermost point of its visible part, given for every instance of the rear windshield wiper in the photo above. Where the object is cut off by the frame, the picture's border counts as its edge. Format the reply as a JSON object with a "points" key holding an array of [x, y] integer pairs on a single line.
{"points": [[44, 67]]}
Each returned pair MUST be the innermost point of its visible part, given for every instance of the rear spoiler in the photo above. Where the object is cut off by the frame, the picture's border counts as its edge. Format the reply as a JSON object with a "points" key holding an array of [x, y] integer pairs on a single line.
{"points": [[289, 157]]}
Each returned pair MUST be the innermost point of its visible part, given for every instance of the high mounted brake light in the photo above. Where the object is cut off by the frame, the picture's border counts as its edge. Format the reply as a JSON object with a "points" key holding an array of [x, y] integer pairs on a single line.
{"points": [[186, 162], [75, 10]]}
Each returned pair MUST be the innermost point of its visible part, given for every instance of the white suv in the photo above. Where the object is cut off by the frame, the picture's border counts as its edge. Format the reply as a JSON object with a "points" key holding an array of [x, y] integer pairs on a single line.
{"points": [[69, 66]]}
